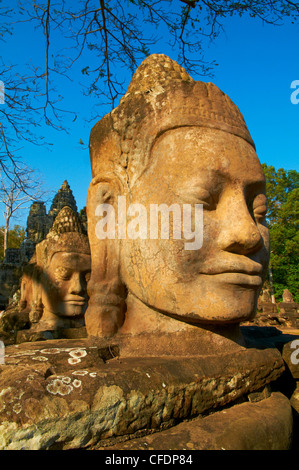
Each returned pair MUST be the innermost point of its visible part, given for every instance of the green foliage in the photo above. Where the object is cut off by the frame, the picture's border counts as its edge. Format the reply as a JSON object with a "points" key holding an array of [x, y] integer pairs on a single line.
{"points": [[15, 237], [280, 184], [283, 221]]}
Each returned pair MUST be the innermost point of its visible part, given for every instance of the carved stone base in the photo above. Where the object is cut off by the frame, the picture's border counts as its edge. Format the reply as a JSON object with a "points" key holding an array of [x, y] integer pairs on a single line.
{"points": [[32, 335], [248, 426], [70, 394]]}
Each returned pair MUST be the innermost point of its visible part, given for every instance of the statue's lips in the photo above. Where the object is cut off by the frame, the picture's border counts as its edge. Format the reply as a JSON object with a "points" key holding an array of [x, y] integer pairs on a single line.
{"points": [[75, 300], [247, 275], [254, 280]]}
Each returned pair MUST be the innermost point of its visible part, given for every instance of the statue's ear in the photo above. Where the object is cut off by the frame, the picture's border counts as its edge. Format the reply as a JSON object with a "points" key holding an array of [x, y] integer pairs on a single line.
{"points": [[105, 313], [103, 190], [101, 209], [36, 309]]}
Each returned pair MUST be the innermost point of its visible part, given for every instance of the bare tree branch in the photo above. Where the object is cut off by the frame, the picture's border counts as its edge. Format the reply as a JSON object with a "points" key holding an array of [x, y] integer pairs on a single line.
{"points": [[13, 197]]}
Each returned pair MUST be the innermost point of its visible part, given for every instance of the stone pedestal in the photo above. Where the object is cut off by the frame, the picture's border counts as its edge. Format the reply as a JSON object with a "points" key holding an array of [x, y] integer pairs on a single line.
{"points": [[74, 394], [248, 426], [291, 311], [268, 308]]}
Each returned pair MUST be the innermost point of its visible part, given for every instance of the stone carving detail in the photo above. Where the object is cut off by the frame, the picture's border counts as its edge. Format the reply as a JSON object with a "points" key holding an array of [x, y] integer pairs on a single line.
{"points": [[38, 222], [63, 198], [38, 226], [174, 140], [287, 296], [56, 287]]}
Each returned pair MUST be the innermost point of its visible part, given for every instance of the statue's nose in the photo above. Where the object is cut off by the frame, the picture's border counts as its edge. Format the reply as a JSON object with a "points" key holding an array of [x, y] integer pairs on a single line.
{"points": [[239, 232], [76, 286]]}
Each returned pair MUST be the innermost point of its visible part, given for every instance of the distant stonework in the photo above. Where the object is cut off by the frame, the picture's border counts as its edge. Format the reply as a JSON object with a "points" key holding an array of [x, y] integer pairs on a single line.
{"points": [[63, 198], [57, 290], [287, 296], [39, 223], [53, 288]]}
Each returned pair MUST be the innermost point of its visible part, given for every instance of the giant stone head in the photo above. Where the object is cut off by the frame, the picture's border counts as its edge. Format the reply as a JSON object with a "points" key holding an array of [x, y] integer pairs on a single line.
{"points": [[174, 143]]}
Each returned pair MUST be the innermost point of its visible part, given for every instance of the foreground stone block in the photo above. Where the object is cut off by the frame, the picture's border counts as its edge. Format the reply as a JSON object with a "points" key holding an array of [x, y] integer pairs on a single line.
{"points": [[72, 394], [258, 426]]}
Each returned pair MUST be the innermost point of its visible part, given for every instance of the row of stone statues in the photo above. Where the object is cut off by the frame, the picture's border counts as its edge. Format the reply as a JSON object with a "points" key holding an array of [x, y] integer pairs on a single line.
{"points": [[172, 315], [138, 156], [140, 285]]}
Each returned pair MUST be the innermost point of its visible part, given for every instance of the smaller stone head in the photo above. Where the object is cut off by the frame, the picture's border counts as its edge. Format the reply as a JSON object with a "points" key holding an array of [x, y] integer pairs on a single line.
{"points": [[287, 296], [63, 266]]}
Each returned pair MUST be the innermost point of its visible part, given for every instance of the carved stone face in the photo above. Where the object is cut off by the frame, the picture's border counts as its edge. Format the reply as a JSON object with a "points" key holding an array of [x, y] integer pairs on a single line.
{"points": [[64, 291], [220, 282]]}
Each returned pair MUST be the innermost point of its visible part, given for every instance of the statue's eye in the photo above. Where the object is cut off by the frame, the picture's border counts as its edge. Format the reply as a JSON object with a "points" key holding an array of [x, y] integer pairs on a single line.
{"points": [[63, 273], [207, 200], [199, 195]]}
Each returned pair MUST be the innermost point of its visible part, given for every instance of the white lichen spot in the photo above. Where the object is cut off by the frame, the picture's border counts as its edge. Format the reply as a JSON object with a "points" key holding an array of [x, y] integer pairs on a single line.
{"points": [[78, 353], [17, 408], [80, 372], [147, 375], [66, 380], [163, 385], [77, 383], [22, 353], [51, 351], [74, 360], [58, 387], [232, 383], [6, 391], [40, 358], [92, 374]]}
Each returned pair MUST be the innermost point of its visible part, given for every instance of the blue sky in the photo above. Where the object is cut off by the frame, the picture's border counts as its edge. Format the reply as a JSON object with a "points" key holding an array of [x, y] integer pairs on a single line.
{"points": [[257, 64]]}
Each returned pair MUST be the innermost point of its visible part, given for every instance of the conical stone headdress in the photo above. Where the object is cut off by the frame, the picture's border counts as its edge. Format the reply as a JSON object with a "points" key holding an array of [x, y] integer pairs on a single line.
{"points": [[161, 96], [67, 234]]}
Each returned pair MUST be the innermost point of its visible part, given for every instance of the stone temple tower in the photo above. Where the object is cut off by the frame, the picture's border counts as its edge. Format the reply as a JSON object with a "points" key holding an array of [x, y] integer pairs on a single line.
{"points": [[38, 223], [64, 197]]}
